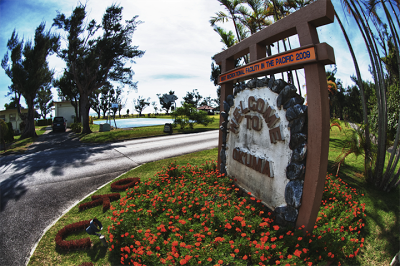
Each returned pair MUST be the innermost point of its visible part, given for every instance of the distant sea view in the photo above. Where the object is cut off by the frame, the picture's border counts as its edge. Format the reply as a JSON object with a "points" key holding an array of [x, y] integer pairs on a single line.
{"points": [[135, 122]]}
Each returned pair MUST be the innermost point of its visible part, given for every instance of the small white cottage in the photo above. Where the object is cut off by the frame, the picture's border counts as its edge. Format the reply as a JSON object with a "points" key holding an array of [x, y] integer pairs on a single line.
{"points": [[11, 115]]}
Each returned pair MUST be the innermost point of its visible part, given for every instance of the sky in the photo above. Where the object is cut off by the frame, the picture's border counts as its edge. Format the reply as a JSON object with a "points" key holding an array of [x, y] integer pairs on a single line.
{"points": [[177, 39]]}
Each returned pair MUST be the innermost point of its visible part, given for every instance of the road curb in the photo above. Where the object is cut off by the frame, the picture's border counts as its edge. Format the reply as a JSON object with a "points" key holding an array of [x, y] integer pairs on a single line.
{"points": [[67, 210]]}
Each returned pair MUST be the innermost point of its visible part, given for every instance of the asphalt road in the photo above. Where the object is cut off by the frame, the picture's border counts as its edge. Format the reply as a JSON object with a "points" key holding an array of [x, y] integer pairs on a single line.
{"points": [[38, 186]]}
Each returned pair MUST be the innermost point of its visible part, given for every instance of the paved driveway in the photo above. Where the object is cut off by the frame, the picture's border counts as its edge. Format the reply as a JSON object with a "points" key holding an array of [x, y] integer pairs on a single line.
{"points": [[56, 173]]}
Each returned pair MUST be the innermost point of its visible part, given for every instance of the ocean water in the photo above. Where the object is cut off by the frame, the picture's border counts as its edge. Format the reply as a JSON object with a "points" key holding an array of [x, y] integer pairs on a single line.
{"points": [[135, 122]]}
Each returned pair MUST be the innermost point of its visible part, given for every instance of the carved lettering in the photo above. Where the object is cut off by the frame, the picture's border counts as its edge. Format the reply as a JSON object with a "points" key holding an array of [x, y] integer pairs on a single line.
{"points": [[256, 124], [260, 105], [237, 115], [275, 135], [267, 170], [248, 121], [244, 111], [252, 103], [271, 120], [258, 164], [233, 127]]}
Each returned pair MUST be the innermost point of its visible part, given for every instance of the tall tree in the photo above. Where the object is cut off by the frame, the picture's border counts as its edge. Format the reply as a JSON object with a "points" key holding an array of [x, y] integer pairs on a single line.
{"points": [[140, 104], [44, 101], [28, 69], [166, 105], [67, 90], [366, 20], [192, 98], [97, 53]]}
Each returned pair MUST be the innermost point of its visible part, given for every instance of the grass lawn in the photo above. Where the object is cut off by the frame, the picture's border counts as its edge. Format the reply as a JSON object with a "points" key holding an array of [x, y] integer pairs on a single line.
{"points": [[380, 232], [21, 145], [140, 132]]}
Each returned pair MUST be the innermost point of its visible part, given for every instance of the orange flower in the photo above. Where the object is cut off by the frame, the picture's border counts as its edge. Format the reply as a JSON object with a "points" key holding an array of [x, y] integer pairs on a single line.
{"points": [[209, 259], [245, 257], [220, 261], [277, 262], [276, 227], [236, 250]]}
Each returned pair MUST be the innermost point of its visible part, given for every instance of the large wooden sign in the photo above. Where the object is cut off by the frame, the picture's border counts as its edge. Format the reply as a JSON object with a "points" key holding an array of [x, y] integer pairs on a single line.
{"points": [[249, 153]]}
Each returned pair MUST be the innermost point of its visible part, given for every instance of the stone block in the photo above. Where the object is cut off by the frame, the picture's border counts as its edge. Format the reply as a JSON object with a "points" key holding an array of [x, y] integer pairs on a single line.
{"points": [[295, 171], [293, 193], [300, 153], [297, 139]]}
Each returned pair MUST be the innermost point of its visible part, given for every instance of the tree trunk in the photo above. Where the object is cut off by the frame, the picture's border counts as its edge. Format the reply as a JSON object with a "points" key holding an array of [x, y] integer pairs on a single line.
{"points": [[85, 114], [29, 130]]}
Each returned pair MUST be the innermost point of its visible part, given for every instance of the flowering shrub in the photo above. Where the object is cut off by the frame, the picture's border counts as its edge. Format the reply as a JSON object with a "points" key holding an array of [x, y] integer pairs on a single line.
{"points": [[124, 184], [73, 244], [191, 215], [98, 200]]}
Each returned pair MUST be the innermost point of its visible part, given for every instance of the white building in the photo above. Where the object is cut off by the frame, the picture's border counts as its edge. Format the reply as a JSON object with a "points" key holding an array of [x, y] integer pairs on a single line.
{"points": [[66, 110], [11, 115]]}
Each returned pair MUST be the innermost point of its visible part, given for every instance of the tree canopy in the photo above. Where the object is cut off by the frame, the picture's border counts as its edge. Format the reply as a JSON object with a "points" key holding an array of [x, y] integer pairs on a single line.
{"points": [[97, 53], [28, 69]]}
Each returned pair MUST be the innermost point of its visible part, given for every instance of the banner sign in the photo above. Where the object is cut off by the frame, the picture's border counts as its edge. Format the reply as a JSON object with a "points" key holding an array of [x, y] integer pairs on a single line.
{"points": [[273, 62]]}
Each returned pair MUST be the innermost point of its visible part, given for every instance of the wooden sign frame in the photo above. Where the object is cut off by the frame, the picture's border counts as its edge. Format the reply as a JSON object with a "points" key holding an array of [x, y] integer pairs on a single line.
{"points": [[303, 23]]}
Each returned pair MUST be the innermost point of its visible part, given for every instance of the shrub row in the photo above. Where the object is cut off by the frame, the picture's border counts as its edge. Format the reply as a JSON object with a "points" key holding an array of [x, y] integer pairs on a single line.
{"points": [[82, 225], [73, 244], [100, 199], [125, 183]]}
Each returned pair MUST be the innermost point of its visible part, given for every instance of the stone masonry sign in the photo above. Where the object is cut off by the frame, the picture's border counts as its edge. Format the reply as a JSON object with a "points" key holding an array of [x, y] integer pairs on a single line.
{"points": [[274, 146]]}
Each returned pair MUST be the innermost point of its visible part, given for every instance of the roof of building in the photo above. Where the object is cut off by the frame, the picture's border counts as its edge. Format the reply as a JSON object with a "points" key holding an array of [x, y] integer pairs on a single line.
{"points": [[205, 107]]}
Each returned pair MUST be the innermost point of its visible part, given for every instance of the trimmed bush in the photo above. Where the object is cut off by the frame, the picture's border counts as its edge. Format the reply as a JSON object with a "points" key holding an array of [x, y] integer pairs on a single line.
{"points": [[3, 132], [76, 127], [98, 200], [9, 137], [73, 244], [125, 183]]}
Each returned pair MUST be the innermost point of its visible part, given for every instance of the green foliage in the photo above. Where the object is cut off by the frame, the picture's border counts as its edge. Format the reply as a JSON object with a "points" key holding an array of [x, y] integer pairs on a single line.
{"points": [[140, 104], [44, 101], [166, 105], [76, 127], [393, 110], [28, 68], [187, 115], [9, 136], [99, 50], [192, 98], [3, 131]]}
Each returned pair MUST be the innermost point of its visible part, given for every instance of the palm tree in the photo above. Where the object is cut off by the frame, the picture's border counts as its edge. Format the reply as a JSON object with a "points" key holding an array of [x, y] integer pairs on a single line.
{"points": [[385, 181], [232, 7]]}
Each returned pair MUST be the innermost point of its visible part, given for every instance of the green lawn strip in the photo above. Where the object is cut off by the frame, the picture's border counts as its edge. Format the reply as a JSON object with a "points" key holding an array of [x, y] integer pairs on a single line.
{"points": [[46, 253], [140, 132], [21, 145]]}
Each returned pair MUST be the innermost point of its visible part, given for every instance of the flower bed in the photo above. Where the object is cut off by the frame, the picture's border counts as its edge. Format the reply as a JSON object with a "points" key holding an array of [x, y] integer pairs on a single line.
{"points": [[73, 244], [189, 215], [98, 200], [124, 184]]}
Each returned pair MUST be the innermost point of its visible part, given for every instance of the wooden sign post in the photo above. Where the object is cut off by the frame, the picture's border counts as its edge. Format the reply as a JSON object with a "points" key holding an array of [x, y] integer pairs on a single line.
{"points": [[312, 56]]}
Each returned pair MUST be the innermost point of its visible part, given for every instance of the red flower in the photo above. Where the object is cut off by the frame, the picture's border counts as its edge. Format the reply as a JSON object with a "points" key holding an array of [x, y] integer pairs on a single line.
{"points": [[276, 227], [245, 257]]}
